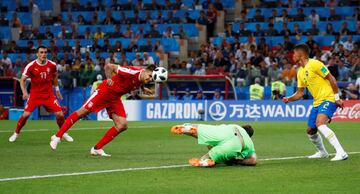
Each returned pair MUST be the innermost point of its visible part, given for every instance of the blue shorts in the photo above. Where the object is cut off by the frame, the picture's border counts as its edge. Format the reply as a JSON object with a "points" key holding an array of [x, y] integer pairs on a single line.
{"points": [[327, 108]]}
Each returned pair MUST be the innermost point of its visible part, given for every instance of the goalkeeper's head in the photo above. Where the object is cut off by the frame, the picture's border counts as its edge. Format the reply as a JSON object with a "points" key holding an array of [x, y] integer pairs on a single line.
{"points": [[248, 129]]}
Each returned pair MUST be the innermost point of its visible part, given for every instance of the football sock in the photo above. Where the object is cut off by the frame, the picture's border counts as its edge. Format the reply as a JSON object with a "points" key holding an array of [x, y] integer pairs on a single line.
{"points": [[60, 121], [67, 124], [109, 136], [331, 137], [20, 124], [317, 141]]}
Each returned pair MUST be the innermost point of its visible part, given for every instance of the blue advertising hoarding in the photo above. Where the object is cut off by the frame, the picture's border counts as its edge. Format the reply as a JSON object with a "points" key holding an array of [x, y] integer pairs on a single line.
{"points": [[227, 110], [257, 110]]}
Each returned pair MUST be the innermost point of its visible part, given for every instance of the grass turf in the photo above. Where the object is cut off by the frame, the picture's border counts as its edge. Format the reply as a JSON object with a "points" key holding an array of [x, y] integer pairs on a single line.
{"points": [[147, 144]]}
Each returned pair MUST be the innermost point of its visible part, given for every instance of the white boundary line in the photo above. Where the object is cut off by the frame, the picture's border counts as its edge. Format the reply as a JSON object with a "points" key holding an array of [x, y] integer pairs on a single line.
{"points": [[73, 129], [132, 169]]}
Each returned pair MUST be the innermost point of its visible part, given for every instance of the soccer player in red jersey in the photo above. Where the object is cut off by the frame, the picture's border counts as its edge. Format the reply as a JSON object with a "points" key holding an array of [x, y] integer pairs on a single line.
{"points": [[43, 75], [107, 95]]}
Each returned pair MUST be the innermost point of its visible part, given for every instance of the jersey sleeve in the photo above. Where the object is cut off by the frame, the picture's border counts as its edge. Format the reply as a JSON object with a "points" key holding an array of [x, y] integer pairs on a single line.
{"points": [[321, 69], [27, 71], [300, 81]]}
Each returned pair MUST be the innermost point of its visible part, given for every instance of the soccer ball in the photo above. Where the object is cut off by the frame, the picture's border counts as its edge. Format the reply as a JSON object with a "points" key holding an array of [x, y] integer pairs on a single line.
{"points": [[160, 74]]}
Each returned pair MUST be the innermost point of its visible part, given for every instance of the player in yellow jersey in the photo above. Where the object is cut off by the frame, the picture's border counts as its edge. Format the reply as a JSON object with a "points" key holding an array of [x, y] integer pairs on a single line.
{"points": [[315, 76]]}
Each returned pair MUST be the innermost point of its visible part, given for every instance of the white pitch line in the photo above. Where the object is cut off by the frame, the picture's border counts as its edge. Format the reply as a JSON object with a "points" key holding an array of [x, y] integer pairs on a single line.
{"points": [[74, 129], [132, 169], [91, 172]]}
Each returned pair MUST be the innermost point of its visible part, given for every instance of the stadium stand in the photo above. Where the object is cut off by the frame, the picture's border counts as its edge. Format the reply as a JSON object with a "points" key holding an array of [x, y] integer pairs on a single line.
{"points": [[249, 39]]}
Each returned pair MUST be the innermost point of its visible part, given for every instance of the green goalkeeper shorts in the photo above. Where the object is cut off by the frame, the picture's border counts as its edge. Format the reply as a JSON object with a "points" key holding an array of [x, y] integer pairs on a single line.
{"points": [[226, 145]]}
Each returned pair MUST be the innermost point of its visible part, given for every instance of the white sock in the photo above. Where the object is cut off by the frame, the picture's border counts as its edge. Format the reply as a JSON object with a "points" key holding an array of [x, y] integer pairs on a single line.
{"points": [[331, 137], [317, 141]]}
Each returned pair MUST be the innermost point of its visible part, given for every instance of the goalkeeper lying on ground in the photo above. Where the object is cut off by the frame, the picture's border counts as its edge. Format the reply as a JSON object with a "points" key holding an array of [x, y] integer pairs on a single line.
{"points": [[230, 144]]}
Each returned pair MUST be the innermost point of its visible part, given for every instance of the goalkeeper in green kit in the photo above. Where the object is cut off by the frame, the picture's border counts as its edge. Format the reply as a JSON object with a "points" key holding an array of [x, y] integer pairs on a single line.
{"points": [[230, 144]]}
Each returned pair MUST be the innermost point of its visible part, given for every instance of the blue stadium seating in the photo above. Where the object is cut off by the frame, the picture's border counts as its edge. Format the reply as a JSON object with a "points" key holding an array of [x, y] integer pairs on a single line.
{"points": [[129, 55], [5, 33], [276, 40], [169, 44], [24, 17], [303, 25], [322, 11], [42, 4], [194, 14], [191, 29], [226, 3]]}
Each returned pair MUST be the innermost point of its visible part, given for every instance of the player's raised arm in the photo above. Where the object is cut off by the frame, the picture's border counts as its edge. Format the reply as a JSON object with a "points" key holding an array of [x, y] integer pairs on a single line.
{"points": [[22, 86], [335, 89], [296, 96], [109, 69]]}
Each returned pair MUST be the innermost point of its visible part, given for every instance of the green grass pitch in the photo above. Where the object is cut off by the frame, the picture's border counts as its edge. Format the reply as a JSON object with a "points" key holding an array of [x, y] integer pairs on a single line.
{"points": [[150, 144]]}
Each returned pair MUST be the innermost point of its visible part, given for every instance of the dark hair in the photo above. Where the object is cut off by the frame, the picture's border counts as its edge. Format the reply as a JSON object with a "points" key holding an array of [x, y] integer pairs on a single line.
{"points": [[40, 47], [304, 48], [151, 67], [248, 129]]}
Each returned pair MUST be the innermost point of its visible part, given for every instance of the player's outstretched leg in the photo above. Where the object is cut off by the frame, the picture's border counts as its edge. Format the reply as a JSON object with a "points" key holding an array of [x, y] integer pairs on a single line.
{"points": [[120, 126], [60, 121], [331, 137], [22, 120], [109, 136], [316, 139], [186, 128], [75, 116]]}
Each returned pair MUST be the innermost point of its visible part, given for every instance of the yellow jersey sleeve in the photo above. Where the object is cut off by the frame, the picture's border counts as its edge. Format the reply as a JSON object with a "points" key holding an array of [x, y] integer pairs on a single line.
{"points": [[300, 79], [320, 68]]}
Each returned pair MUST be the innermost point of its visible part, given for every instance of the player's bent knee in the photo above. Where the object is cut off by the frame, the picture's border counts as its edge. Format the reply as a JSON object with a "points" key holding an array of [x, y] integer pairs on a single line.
{"points": [[82, 112], [59, 114], [121, 126], [320, 122], [26, 114], [311, 131]]}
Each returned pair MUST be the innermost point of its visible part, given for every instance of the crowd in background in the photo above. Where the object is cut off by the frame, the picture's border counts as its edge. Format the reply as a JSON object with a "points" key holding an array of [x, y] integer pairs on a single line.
{"points": [[244, 62]]}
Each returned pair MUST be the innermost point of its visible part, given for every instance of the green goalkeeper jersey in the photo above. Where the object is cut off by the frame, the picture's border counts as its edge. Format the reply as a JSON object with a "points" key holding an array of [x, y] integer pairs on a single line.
{"points": [[226, 145]]}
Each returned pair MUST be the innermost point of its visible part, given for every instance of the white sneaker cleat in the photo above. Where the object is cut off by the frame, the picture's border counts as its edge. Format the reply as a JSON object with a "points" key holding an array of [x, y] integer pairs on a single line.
{"points": [[340, 156], [99, 152], [54, 142], [67, 137], [13, 137], [319, 155]]}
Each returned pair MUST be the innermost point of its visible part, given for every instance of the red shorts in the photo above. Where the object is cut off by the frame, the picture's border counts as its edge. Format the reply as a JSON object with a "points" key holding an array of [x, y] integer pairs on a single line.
{"points": [[50, 104], [101, 99]]}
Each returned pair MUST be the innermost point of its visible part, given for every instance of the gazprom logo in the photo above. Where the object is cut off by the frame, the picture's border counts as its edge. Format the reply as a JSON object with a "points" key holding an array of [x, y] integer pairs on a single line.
{"points": [[217, 110]]}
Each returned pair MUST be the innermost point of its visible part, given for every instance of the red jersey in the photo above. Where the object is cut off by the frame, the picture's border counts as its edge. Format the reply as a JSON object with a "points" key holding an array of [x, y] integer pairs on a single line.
{"points": [[42, 77], [126, 80]]}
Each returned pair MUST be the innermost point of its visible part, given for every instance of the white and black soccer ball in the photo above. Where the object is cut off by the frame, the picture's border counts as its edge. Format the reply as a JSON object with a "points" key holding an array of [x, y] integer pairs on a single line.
{"points": [[160, 74]]}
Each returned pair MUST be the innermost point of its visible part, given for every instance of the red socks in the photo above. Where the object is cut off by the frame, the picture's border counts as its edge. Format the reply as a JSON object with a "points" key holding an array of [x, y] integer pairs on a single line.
{"points": [[67, 124], [60, 121], [20, 124], [109, 136]]}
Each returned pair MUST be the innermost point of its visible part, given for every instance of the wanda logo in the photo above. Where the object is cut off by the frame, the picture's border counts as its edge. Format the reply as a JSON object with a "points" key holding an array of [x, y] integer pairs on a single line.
{"points": [[351, 111]]}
